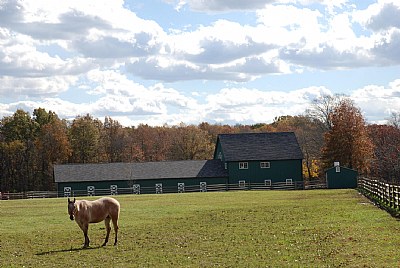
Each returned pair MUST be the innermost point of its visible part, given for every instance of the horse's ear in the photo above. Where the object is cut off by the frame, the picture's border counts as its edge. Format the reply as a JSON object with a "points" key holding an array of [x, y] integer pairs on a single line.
{"points": [[74, 200], [69, 201]]}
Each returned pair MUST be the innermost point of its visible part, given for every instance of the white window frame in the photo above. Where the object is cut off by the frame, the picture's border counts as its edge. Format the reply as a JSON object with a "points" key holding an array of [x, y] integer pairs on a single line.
{"points": [[91, 190], [181, 187], [243, 165], [136, 188], [220, 155], [337, 169], [242, 183], [203, 186], [268, 182], [113, 189], [265, 164], [67, 191], [159, 188], [289, 182], [226, 165]]}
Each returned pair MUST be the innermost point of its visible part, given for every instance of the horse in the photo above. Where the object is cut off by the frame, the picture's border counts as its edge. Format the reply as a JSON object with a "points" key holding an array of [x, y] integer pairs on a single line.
{"points": [[85, 212]]}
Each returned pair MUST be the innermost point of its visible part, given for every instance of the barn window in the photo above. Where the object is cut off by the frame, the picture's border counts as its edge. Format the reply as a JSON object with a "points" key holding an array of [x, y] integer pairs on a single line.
{"points": [[226, 165], [337, 169], [220, 156], [267, 182], [289, 181], [265, 164], [243, 165], [242, 183]]}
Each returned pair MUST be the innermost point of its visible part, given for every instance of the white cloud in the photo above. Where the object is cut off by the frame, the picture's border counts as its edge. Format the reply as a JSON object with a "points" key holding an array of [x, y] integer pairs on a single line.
{"points": [[378, 102]]}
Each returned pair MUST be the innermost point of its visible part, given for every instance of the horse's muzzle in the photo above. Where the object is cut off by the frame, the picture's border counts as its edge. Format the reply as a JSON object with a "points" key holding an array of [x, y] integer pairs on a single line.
{"points": [[71, 217]]}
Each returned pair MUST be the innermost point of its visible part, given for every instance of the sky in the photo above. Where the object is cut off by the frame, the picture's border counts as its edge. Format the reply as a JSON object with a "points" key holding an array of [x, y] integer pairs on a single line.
{"points": [[191, 61]]}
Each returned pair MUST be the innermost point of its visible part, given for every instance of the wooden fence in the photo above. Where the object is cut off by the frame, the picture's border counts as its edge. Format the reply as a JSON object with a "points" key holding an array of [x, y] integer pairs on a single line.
{"points": [[165, 189], [383, 192]]}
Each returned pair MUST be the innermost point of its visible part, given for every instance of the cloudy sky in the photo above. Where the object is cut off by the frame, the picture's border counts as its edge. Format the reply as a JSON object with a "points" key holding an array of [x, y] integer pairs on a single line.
{"points": [[192, 61]]}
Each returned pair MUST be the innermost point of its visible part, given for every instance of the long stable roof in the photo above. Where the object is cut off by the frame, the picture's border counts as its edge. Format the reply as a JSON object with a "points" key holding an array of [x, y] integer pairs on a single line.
{"points": [[139, 171], [260, 146]]}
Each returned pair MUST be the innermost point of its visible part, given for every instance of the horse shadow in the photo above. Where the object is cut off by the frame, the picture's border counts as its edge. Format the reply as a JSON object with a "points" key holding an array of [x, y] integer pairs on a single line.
{"points": [[65, 250]]}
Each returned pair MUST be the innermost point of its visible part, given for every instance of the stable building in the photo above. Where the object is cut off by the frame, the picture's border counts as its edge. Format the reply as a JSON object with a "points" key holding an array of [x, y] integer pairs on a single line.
{"points": [[241, 161], [339, 177], [261, 159]]}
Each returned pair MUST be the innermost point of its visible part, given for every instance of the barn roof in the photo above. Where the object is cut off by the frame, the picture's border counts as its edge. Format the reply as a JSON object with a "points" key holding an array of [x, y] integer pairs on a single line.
{"points": [[139, 171], [260, 146]]}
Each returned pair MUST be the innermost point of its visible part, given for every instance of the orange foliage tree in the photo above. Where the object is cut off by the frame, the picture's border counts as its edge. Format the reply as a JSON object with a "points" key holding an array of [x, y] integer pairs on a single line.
{"points": [[348, 141]]}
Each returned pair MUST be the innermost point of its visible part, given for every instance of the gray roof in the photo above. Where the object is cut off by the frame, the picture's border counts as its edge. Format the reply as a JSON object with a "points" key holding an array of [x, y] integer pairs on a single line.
{"points": [[140, 171], [260, 146]]}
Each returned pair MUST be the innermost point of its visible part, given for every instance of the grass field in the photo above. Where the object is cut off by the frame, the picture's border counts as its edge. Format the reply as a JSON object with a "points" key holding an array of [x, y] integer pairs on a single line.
{"points": [[316, 228]]}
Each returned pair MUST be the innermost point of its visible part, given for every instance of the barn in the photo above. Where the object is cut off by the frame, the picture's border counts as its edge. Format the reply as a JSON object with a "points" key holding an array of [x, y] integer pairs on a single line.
{"points": [[339, 177], [147, 177], [245, 160], [261, 159]]}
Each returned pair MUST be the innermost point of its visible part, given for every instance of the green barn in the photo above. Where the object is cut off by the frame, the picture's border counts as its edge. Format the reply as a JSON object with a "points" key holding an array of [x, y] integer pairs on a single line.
{"points": [[339, 177], [241, 161], [261, 159], [147, 177]]}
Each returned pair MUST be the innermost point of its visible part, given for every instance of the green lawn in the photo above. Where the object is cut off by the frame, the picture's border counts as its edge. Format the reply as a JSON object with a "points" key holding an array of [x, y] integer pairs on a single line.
{"points": [[315, 228]]}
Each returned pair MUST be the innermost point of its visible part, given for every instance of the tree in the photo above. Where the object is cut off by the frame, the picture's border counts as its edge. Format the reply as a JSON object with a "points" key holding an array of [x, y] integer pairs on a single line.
{"points": [[19, 132], [386, 163], [322, 108], [394, 120], [191, 142], [52, 147], [310, 137], [348, 141], [84, 138]]}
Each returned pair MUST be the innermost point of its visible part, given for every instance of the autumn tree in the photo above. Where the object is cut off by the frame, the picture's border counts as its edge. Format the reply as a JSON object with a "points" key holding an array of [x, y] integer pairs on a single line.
{"points": [[85, 140], [191, 142], [310, 137], [114, 140], [18, 132], [386, 162], [153, 142], [348, 141], [52, 146]]}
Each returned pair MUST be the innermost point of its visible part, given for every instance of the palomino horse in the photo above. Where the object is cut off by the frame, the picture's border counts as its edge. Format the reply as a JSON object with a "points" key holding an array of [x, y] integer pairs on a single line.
{"points": [[86, 212]]}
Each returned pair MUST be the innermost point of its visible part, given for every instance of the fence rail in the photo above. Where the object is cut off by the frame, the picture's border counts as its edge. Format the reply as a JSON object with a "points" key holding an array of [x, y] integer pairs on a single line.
{"points": [[164, 189], [387, 194]]}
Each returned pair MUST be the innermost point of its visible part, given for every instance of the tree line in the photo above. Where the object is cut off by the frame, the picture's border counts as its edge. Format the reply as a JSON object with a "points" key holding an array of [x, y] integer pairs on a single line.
{"points": [[332, 129]]}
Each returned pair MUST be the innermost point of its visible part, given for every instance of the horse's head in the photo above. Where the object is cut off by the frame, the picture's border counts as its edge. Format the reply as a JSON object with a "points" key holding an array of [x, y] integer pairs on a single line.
{"points": [[71, 209]]}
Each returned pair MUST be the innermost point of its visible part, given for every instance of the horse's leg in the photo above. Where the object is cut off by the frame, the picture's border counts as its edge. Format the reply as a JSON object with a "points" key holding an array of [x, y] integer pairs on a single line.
{"points": [[85, 228], [108, 228], [115, 224]]}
